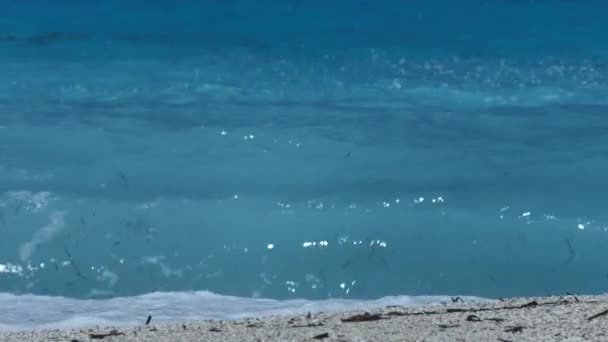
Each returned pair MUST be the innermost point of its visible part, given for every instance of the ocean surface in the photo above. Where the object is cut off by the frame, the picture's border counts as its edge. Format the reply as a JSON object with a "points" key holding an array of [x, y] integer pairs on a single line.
{"points": [[216, 159]]}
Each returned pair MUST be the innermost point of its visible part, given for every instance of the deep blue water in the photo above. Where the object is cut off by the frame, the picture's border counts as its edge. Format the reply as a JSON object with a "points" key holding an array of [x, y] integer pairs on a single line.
{"points": [[303, 149]]}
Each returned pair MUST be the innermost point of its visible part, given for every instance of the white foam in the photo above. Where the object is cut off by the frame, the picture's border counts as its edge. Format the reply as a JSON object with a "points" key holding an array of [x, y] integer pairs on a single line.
{"points": [[31, 201], [44, 234], [31, 312]]}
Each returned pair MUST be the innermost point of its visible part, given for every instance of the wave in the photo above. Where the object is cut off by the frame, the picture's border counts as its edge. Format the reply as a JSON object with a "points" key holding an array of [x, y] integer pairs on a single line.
{"points": [[32, 312]]}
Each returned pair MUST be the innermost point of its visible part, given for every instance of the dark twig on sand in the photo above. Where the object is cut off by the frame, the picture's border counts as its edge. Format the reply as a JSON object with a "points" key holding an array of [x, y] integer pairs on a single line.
{"points": [[102, 336], [446, 326], [529, 305], [598, 315], [524, 306], [308, 325], [574, 296], [366, 317], [515, 329], [494, 319], [473, 318], [457, 299], [321, 336], [475, 310]]}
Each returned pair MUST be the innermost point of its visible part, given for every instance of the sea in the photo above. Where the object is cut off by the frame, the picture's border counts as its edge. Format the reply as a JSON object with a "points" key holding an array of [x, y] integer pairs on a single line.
{"points": [[224, 159]]}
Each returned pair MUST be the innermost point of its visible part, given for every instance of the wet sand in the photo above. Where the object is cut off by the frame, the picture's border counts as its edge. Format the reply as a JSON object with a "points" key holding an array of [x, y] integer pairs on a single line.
{"points": [[567, 318]]}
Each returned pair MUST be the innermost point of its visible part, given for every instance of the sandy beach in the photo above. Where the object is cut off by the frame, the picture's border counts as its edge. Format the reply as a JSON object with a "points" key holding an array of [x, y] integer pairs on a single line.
{"points": [[567, 318]]}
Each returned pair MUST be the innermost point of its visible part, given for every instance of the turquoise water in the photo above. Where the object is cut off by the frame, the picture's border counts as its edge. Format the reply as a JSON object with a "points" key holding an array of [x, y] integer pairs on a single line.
{"points": [[303, 149]]}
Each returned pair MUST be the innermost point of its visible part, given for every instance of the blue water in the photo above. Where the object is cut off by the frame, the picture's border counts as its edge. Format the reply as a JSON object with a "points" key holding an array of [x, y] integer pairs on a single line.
{"points": [[302, 150]]}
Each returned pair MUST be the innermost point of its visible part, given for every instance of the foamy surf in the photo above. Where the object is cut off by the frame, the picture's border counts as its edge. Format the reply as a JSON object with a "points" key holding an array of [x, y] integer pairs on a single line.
{"points": [[31, 312]]}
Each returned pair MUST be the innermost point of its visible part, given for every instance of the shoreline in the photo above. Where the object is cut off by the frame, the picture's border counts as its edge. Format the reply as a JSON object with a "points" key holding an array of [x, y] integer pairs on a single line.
{"points": [[566, 318]]}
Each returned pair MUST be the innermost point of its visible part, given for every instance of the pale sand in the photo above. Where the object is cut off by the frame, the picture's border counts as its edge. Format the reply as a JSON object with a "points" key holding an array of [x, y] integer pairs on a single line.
{"points": [[527, 319]]}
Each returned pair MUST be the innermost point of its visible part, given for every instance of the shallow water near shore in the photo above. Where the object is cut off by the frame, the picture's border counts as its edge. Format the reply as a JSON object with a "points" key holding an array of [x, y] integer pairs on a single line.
{"points": [[358, 152]]}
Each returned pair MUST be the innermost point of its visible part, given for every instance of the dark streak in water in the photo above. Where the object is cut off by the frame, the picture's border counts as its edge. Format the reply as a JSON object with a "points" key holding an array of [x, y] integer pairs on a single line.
{"points": [[74, 265], [346, 264], [54, 37], [124, 180], [18, 207], [83, 222], [571, 253], [7, 38], [375, 258]]}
